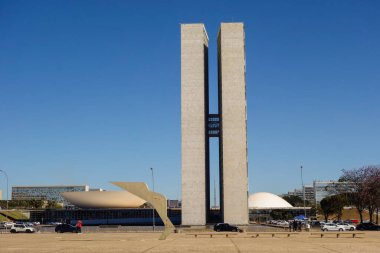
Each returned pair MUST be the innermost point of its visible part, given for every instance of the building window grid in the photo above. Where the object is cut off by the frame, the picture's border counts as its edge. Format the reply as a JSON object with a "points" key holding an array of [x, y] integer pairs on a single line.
{"points": [[44, 193]]}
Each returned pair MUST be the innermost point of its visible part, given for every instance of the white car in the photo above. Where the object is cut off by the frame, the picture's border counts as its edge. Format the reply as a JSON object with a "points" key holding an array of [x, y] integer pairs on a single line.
{"points": [[332, 227], [6, 224], [283, 223], [17, 228], [347, 226]]}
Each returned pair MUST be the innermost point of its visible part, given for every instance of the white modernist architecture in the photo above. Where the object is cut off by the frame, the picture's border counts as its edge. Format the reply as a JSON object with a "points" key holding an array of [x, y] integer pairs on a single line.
{"points": [[194, 101], [266, 200], [229, 124], [103, 199]]}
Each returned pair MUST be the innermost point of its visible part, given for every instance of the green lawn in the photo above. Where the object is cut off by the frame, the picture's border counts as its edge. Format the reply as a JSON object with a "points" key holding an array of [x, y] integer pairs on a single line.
{"points": [[14, 215], [2, 218]]}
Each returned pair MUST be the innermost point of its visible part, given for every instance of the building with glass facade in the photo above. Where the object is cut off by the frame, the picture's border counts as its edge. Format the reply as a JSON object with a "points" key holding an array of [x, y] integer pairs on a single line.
{"points": [[45, 192], [323, 189], [320, 190]]}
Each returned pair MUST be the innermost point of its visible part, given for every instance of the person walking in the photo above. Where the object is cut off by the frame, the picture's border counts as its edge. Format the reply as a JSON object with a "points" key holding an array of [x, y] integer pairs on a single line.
{"points": [[79, 227], [294, 226], [307, 227], [290, 226]]}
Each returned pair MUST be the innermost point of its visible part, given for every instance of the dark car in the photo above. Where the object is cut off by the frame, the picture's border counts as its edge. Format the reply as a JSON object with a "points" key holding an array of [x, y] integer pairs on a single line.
{"points": [[65, 228], [368, 226], [225, 227]]}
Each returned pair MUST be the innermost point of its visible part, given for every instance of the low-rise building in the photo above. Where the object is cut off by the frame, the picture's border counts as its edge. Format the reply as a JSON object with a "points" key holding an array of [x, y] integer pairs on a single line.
{"points": [[51, 192], [263, 205], [174, 203]]}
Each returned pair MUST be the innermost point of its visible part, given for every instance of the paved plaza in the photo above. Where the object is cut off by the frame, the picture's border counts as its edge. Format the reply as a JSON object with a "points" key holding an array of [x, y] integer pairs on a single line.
{"points": [[148, 242]]}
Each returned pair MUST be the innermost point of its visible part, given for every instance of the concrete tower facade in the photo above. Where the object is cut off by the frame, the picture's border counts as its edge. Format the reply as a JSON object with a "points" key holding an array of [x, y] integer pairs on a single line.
{"points": [[233, 129], [229, 125], [194, 112]]}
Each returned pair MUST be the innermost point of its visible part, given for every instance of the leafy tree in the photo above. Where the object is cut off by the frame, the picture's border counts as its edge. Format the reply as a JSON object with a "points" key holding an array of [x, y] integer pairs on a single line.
{"points": [[52, 204], [36, 203], [365, 189], [29, 204], [333, 205], [340, 201], [313, 211], [327, 206], [373, 193], [296, 200]]}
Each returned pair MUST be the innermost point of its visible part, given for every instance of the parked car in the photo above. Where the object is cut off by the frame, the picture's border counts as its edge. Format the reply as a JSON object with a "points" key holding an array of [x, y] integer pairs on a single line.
{"points": [[355, 221], [54, 223], [283, 223], [17, 228], [63, 228], [348, 221], [332, 227], [347, 226], [6, 224], [368, 226], [225, 227]]}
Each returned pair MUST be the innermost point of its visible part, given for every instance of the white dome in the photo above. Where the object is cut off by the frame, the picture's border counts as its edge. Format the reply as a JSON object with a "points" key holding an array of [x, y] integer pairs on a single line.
{"points": [[266, 200]]}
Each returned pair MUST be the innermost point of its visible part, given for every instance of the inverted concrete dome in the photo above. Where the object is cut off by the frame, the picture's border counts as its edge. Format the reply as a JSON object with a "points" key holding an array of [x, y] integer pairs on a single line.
{"points": [[103, 199], [266, 200]]}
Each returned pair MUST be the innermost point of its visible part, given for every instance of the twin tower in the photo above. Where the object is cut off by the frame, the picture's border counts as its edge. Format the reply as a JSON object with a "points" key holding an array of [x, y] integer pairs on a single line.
{"points": [[229, 125]]}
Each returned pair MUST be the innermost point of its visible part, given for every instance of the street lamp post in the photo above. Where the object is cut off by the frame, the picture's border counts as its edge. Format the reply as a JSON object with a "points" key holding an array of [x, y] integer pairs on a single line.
{"points": [[303, 188], [6, 175], [153, 191]]}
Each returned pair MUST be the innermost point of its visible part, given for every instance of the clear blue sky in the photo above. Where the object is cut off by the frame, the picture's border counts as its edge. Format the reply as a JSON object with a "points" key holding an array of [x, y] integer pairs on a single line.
{"points": [[90, 90]]}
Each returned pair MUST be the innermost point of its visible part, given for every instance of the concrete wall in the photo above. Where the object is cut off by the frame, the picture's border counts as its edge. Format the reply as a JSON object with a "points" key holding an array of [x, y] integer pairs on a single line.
{"points": [[232, 106], [194, 45]]}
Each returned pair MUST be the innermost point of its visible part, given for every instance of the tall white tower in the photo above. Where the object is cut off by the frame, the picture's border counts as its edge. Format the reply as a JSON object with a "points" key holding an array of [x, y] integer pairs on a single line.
{"points": [[194, 112], [198, 125]]}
